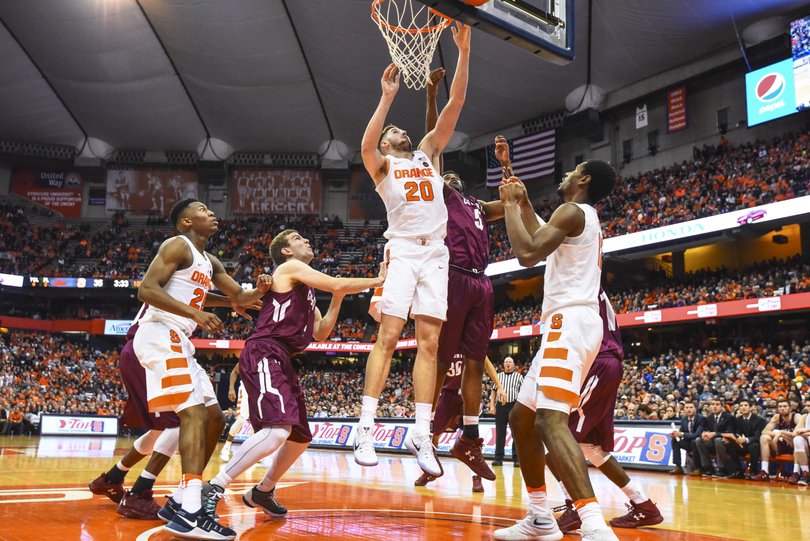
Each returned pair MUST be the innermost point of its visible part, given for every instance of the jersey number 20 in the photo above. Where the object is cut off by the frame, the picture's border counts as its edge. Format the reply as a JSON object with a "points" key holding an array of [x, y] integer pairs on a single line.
{"points": [[424, 188]]}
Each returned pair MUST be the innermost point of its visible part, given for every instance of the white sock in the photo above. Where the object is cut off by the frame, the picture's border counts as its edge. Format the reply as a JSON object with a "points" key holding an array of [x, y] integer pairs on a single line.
{"points": [[764, 466], [261, 444], [564, 491], [368, 411], [538, 501], [285, 457], [805, 469], [192, 496], [591, 514], [226, 446], [178, 494], [146, 475], [469, 420], [121, 466], [422, 425], [633, 491]]}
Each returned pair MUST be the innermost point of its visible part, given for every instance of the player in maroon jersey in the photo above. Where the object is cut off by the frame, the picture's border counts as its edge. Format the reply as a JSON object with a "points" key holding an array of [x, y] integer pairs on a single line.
{"points": [[288, 321], [591, 423]]}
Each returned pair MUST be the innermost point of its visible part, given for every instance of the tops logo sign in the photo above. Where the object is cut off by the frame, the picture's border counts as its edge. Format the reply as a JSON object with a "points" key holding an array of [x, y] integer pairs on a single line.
{"points": [[77, 425], [770, 87], [83, 425]]}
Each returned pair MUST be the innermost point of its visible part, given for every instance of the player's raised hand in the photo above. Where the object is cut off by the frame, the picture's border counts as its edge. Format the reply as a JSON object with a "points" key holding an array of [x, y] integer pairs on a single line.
{"points": [[461, 35], [390, 81], [264, 282], [242, 310], [512, 191], [433, 81], [208, 321]]}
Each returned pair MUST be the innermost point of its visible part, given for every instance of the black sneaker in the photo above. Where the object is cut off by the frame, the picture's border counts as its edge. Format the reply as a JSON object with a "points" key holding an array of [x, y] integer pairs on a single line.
{"points": [[211, 494], [169, 509], [198, 526], [737, 475], [720, 474], [266, 501]]}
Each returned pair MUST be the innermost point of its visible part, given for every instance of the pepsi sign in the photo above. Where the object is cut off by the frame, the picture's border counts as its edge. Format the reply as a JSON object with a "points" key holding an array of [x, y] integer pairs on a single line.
{"points": [[770, 92]]}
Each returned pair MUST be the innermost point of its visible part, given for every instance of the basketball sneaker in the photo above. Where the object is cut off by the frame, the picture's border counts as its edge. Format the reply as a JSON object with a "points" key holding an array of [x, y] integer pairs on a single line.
{"points": [[364, 453], [805, 480], [478, 486], [422, 449], [641, 514], [469, 452], [100, 486], [761, 476], [142, 506], [169, 509], [198, 526], [266, 501], [211, 494], [794, 478], [531, 528], [423, 480], [569, 520], [602, 534], [225, 455]]}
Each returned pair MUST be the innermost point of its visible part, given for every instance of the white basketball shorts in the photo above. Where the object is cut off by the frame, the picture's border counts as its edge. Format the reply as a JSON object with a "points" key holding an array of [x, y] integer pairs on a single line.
{"points": [[571, 340], [417, 278]]}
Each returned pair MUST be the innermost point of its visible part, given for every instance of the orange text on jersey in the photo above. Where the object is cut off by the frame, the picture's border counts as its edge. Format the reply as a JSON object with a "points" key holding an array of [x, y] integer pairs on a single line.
{"points": [[413, 173], [201, 279]]}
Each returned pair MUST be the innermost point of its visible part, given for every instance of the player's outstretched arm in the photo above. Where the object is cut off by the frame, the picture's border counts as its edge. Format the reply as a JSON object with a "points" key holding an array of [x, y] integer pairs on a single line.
{"points": [[432, 111], [169, 258], [434, 142], [296, 271], [226, 284], [212, 300], [530, 249], [493, 375], [375, 162]]}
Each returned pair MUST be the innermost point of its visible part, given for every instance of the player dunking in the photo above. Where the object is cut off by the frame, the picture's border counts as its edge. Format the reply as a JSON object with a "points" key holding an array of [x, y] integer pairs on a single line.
{"points": [[411, 189], [242, 414], [571, 244], [287, 323], [175, 286], [591, 423]]}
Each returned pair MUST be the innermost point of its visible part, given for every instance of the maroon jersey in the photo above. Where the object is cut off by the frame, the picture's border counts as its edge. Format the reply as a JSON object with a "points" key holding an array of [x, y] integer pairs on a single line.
{"points": [[135, 322], [467, 237], [452, 380], [611, 338], [288, 318]]}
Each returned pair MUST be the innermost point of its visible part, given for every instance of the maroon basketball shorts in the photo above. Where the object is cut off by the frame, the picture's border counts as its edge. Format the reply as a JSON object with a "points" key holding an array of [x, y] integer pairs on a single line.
{"points": [[448, 408], [136, 411], [470, 317], [592, 420], [273, 392]]}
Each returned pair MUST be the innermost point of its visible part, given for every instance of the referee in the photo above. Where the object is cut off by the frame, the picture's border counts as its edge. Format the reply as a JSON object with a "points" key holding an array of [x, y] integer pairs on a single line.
{"points": [[511, 382]]}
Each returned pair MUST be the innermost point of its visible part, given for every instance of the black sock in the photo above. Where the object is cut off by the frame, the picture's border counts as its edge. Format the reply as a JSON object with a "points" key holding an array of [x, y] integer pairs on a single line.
{"points": [[471, 431], [115, 476], [142, 484]]}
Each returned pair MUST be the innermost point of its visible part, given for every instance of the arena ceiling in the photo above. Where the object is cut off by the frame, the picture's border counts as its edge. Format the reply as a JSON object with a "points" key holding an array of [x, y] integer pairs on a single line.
{"points": [[274, 75]]}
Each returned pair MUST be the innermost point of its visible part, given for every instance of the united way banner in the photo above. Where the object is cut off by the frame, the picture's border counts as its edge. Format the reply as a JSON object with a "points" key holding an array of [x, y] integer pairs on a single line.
{"points": [[149, 191], [58, 189], [291, 191]]}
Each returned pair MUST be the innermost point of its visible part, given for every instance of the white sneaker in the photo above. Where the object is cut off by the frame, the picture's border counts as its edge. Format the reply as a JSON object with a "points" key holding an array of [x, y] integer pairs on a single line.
{"points": [[531, 528], [225, 455], [364, 453], [422, 449], [602, 534]]}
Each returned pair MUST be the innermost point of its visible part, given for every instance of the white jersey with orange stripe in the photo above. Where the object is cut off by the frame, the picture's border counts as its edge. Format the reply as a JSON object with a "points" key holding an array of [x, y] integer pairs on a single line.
{"points": [[189, 286], [574, 269], [414, 199]]}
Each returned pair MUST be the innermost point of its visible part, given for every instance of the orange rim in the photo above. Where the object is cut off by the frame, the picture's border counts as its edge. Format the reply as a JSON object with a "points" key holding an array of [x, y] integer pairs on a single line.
{"points": [[441, 26]]}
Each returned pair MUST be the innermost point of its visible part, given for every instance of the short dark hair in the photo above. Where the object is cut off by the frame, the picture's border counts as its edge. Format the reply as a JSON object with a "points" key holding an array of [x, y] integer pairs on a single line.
{"points": [[603, 179], [744, 400], [179, 208], [382, 135], [281, 241], [785, 400]]}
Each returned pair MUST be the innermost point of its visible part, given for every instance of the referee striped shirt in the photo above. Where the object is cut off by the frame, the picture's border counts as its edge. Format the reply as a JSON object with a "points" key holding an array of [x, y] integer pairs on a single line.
{"points": [[511, 383]]}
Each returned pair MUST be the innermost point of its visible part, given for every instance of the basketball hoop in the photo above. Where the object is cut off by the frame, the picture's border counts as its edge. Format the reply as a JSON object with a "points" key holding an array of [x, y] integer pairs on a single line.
{"points": [[411, 35]]}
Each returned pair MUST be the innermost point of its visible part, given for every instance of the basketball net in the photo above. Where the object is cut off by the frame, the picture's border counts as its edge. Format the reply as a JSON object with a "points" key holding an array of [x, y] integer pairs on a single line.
{"points": [[412, 36]]}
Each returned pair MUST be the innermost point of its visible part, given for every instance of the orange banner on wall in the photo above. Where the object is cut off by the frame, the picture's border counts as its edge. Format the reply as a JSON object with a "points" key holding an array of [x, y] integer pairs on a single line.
{"points": [[676, 109]]}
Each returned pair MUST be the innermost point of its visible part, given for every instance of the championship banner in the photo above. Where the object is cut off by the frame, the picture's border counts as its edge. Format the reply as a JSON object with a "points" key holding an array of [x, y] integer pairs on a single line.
{"points": [[364, 201], [58, 189], [636, 444], [676, 109], [149, 191], [291, 191]]}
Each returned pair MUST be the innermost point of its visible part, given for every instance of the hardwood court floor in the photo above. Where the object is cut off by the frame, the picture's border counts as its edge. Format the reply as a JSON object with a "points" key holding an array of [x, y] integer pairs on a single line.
{"points": [[44, 497]]}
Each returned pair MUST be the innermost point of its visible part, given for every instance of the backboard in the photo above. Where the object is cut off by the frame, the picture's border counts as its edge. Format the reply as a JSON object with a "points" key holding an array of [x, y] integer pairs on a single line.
{"points": [[543, 27]]}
